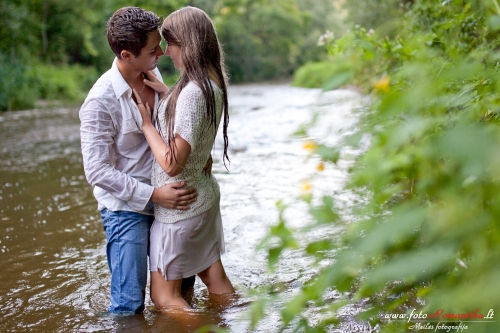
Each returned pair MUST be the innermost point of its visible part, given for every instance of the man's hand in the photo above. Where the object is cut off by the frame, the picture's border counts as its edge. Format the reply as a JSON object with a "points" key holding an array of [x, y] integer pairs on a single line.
{"points": [[172, 196]]}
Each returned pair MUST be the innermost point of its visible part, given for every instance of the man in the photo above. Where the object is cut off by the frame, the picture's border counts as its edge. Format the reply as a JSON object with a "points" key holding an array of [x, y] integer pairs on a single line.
{"points": [[117, 159]]}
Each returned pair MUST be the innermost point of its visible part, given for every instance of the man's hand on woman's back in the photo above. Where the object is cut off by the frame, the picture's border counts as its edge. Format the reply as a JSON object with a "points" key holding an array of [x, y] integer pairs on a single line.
{"points": [[173, 196]]}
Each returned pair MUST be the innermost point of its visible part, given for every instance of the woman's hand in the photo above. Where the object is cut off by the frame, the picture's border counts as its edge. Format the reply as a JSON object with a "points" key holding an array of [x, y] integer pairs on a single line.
{"points": [[144, 109], [155, 84]]}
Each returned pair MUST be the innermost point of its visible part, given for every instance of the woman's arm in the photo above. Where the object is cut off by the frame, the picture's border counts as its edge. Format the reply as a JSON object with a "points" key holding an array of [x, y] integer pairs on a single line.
{"points": [[181, 148]]}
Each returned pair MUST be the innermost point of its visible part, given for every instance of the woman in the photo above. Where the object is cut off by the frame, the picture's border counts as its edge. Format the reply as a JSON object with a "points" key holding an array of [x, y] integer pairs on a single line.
{"points": [[189, 242]]}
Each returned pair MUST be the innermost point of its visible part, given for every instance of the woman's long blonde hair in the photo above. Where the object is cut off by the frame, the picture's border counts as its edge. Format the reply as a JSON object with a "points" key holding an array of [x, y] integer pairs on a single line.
{"points": [[194, 32]]}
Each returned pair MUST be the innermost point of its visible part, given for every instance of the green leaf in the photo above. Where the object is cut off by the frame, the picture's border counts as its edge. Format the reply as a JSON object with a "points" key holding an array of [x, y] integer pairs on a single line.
{"points": [[494, 22], [319, 246], [411, 266], [340, 78], [392, 230], [327, 153], [325, 213], [257, 311]]}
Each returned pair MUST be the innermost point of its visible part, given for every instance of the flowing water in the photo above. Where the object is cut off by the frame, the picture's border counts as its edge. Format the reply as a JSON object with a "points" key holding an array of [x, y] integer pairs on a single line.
{"points": [[54, 276]]}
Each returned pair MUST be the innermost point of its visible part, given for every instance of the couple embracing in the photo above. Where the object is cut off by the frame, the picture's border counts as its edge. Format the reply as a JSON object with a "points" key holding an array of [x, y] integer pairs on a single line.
{"points": [[147, 152]]}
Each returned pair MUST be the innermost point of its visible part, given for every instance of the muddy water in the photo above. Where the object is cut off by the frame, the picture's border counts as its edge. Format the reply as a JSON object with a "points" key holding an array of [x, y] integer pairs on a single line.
{"points": [[54, 276]]}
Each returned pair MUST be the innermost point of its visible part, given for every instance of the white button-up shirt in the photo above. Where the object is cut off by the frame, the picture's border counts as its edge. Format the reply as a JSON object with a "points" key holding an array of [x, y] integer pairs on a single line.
{"points": [[116, 156]]}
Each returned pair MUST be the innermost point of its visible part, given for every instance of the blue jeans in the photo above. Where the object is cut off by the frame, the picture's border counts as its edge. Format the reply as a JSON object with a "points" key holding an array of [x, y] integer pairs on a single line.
{"points": [[127, 235]]}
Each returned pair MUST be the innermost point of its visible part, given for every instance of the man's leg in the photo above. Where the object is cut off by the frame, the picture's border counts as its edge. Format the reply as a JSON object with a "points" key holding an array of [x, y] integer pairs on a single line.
{"points": [[127, 235]]}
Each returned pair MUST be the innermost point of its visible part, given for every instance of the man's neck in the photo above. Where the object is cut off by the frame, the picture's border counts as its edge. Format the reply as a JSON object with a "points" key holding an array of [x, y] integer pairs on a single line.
{"points": [[131, 76]]}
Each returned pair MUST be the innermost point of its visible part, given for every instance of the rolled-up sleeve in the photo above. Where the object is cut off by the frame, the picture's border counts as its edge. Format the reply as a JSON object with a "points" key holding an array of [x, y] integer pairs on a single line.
{"points": [[97, 131]]}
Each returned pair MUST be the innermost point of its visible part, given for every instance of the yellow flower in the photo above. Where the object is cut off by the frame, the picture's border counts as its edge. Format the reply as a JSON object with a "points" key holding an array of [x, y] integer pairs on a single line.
{"points": [[224, 10], [310, 145], [320, 166], [383, 84], [306, 191], [306, 187]]}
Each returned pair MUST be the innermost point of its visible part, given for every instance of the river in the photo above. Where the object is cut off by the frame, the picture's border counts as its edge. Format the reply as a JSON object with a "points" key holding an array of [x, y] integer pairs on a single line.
{"points": [[54, 275]]}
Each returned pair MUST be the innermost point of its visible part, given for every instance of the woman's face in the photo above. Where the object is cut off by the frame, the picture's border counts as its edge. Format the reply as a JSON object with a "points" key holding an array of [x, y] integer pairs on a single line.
{"points": [[174, 52]]}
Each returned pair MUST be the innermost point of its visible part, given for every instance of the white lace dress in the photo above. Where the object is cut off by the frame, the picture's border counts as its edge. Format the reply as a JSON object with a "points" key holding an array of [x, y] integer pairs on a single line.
{"points": [[184, 243]]}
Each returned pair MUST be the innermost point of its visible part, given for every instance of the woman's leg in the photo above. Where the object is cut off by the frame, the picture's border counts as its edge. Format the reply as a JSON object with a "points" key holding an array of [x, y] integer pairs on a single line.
{"points": [[216, 280], [166, 293]]}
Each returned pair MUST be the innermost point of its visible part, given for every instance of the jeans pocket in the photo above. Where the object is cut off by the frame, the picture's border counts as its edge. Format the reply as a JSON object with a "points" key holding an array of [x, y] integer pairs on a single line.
{"points": [[105, 218]]}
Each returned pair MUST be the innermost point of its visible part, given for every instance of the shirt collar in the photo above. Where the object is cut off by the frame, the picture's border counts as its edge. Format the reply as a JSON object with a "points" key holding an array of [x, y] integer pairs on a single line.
{"points": [[120, 86]]}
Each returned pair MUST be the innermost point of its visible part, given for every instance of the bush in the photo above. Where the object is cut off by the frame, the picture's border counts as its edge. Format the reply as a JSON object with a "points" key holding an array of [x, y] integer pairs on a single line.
{"points": [[315, 74], [17, 91], [69, 83], [425, 234], [21, 87]]}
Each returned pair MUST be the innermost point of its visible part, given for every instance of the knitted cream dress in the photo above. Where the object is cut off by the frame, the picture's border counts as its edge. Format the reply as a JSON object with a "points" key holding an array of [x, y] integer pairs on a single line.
{"points": [[184, 243]]}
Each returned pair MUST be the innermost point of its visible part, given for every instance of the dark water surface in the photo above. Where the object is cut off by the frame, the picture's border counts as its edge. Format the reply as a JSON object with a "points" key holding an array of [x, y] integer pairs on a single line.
{"points": [[54, 276]]}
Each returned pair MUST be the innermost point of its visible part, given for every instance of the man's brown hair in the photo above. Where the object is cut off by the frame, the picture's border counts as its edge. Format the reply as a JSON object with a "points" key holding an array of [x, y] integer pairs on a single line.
{"points": [[128, 29]]}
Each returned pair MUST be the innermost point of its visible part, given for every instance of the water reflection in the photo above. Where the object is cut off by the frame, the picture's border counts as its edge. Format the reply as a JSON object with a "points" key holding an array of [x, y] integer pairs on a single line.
{"points": [[54, 271]]}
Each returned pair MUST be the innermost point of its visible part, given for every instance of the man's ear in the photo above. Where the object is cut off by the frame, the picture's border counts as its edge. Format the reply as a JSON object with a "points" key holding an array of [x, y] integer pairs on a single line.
{"points": [[126, 55]]}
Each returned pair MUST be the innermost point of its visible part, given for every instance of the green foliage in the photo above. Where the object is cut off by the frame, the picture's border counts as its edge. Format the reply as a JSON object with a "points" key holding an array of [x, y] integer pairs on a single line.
{"points": [[315, 75], [373, 13], [16, 89], [424, 233], [262, 39], [66, 83], [22, 86]]}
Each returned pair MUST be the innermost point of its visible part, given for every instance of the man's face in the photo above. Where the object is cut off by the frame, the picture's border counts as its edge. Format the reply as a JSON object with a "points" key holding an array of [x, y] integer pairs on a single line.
{"points": [[150, 54]]}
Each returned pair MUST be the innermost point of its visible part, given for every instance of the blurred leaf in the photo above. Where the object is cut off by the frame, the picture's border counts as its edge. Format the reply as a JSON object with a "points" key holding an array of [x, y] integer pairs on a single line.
{"points": [[354, 139], [392, 230], [494, 22], [327, 153], [471, 146], [340, 78], [319, 246], [257, 311], [324, 213], [412, 265]]}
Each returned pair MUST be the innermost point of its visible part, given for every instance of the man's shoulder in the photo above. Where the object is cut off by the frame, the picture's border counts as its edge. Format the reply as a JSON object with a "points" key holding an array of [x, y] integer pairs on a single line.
{"points": [[102, 87], [102, 92]]}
